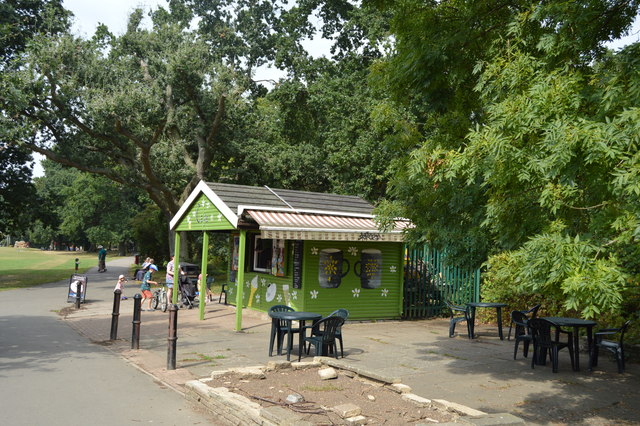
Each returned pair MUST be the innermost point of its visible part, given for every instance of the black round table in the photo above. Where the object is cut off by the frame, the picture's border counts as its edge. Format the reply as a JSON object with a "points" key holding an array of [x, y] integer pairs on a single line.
{"points": [[497, 306], [575, 323], [301, 317]]}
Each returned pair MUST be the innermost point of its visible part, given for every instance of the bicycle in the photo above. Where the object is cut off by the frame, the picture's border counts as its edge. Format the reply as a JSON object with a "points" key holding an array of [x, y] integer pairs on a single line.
{"points": [[160, 299]]}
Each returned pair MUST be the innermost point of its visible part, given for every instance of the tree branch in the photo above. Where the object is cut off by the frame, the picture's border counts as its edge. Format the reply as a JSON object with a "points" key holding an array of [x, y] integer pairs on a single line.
{"points": [[215, 127], [67, 162]]}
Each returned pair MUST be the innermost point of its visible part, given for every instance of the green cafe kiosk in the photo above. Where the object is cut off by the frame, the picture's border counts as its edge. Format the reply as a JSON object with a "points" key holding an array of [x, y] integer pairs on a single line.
{"points": [[312, 251]]}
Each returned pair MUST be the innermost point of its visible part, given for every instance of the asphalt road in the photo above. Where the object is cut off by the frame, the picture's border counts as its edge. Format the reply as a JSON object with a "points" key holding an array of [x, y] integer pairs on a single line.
{"points": [[51, 375]]}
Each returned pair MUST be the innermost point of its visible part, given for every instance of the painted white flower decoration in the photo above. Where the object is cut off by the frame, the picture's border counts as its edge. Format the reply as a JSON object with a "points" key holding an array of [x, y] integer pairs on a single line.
{"points": [[247, 284], [279, 298], [257, 298], [353, 251], [392, 269], [294, 295], [314, 294], [385, 292], [230, 291], [314, 250], [356, 292], [263, 281], [219, 216]]}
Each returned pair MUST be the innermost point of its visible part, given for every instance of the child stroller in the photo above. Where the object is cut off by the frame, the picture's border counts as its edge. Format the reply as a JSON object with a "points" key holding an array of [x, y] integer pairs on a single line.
{"points": [[188, 290]]}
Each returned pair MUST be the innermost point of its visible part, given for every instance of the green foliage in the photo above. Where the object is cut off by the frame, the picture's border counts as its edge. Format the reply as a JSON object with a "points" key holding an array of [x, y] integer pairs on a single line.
{"points": [[20, 20], [151, 231], [318, 136], [146, 109], [526, 146], [17, 193], [41, 235], [569, 270], [81, 208]]}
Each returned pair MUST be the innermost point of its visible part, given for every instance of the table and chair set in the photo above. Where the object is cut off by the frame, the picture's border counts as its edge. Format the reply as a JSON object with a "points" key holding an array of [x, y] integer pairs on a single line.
{"points": [[323, 332], [545, 334]]}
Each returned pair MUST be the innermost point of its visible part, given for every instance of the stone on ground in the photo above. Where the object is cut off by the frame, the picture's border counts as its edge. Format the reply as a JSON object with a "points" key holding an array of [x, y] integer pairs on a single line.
{"points": [[347, 410], [328, 373]]}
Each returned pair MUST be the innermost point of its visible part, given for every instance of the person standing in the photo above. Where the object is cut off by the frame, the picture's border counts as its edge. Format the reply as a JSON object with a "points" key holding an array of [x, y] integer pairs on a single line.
{"points": [[170, 279], [145, 287], [102, 259]]}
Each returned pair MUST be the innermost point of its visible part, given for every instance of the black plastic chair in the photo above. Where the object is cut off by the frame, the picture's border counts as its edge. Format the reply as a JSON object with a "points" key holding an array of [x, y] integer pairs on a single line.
{"points": [[280, 327], [531, 313], [522, 333], [342, 313], [325, 342], [616, 347], [543, 341], [463, 315]]}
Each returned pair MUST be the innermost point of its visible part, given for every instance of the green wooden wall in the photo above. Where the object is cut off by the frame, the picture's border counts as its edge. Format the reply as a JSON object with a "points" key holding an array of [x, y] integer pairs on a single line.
{"points": [[203, 216], [383, 302]]}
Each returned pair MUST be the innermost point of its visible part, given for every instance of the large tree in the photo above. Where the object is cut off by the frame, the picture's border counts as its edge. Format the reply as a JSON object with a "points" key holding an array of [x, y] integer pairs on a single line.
{"points": [[20, 21], [158, 108], [522, 141], [146, 109]]}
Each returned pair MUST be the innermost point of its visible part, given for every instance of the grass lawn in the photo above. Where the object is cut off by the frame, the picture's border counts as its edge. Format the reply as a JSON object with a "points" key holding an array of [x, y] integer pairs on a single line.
{"points": [[28, 267]]}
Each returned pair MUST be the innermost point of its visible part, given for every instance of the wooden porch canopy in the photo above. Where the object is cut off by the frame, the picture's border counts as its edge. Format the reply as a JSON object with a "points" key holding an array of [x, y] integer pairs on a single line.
{"points": [[278, 214]]}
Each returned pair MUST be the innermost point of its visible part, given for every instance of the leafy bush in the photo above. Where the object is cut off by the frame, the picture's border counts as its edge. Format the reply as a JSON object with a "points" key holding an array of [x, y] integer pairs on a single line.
{"points": [[552, 275]]}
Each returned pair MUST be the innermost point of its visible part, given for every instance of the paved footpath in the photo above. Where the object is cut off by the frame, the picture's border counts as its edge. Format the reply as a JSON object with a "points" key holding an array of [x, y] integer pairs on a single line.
{"points": [[479, 373], [50, 375]]}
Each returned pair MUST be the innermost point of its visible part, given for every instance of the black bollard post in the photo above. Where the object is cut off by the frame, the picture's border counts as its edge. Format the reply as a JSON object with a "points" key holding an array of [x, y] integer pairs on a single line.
{"points": [[173, 337], [135, 334], [77, 263], [115, 314], [78, 294]]}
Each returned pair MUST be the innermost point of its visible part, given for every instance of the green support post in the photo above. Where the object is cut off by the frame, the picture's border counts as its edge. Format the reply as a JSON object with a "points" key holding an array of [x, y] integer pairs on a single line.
{"points": [[176, 263], [403, 249], [240, 279], [203, 269]]}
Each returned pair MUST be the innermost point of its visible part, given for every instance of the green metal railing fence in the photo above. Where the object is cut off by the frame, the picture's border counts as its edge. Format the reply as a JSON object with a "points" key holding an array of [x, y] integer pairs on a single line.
{"points": [[430, 279]]}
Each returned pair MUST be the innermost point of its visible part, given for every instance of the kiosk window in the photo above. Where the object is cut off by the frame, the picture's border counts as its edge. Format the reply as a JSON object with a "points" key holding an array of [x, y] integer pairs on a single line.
{"points": [[262, 253]]}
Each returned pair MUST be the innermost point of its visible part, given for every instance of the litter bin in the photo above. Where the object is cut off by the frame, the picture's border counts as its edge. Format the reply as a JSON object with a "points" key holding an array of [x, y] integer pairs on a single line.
{"points": [[136, 259]]}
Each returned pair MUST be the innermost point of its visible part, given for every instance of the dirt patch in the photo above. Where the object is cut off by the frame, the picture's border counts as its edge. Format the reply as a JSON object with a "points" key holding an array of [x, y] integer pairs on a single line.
{"points": [[66, 311], [378, 403]]}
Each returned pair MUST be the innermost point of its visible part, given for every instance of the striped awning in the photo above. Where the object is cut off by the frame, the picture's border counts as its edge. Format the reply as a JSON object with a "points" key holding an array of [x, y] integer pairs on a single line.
{"points": [[302, 226]]}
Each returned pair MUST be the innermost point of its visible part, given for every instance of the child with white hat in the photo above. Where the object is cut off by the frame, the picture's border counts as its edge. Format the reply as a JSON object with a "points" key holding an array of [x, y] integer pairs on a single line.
{"points": [[120, 285]]}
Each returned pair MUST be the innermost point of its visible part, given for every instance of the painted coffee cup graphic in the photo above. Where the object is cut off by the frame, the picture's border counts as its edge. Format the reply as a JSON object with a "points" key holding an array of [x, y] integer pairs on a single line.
{"points": [[330, 272], [370, 271]]}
